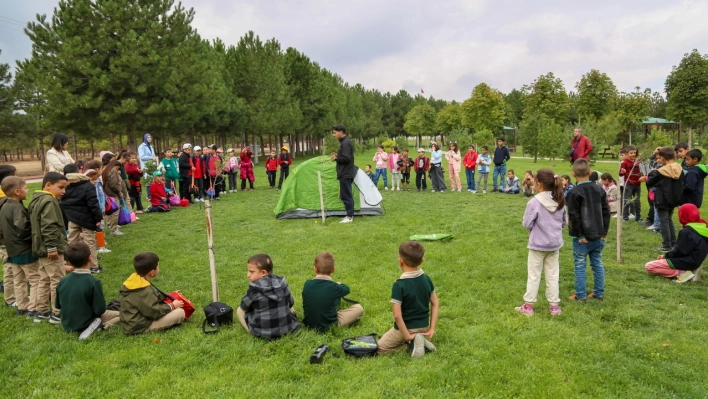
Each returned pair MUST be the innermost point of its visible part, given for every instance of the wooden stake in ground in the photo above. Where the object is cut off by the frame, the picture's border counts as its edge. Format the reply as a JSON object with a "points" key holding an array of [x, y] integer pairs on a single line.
{"points": [[619, 227], [319, 182], [210, 243]]}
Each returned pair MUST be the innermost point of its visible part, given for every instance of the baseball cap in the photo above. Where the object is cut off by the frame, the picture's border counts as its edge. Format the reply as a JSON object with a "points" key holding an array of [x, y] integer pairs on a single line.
{"points": [[157, 173], [187, 145], [197, 148], [219, 150], [421, 150]]}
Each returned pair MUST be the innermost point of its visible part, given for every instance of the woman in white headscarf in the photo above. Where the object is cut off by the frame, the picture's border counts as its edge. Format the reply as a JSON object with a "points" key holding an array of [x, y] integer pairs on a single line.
{"points": [[57, 156]]}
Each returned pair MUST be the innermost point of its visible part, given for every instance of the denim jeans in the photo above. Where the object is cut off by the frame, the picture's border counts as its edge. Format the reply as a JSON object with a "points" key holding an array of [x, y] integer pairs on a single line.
{"points": [[470, 178], [501, 172], [656, 219], [666, 226], [512, 191], [379, 173], [581, 251]]}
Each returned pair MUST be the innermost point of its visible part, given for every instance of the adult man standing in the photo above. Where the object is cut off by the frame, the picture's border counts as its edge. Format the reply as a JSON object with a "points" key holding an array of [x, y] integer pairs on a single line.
{"points": [[580, 146], [346, 170]]}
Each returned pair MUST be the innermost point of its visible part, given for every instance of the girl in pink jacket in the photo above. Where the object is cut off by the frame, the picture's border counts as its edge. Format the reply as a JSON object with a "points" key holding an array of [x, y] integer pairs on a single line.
{"points": [[453, 158], [381, 159], [393, 165]]}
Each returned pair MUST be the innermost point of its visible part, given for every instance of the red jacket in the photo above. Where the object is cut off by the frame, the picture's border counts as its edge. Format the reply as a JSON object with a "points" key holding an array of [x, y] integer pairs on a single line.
{"points": [[133, 175], [271, 164], [157, 192], [582, 146], [246, 155], [284, 163], [212, 165], [470, 160], [632, 172], [199, 167], [426, 164]]}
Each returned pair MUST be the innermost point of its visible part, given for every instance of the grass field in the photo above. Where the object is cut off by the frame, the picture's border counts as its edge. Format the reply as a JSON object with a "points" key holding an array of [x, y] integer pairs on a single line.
{"points": [[645, 340]]}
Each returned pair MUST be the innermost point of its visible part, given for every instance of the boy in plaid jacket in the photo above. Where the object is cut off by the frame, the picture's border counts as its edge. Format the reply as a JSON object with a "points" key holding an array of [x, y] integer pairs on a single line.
{"points": [[266, 311]]}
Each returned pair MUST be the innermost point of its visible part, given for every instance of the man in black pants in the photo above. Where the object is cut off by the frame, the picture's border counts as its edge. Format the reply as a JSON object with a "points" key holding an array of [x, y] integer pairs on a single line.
{"points": [[346, 170], [185, 171]]}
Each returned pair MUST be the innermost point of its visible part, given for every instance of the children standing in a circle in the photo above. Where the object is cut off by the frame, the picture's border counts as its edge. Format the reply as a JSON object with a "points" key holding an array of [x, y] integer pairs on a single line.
{"points": [[436, 171]]}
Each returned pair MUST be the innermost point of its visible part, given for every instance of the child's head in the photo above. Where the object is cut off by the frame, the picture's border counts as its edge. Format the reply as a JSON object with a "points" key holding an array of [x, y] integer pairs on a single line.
{"points": [[594, 176], [665, 155], [55, 183], [380, 148], [133, 159], [421, 152], [631, 152], [107, 158], [693, 157], [681, 149], [187, 148], [529, 173], [453, 146], [284, 150], [484, 149], [367, 168], [547, 180], [581, 169], [623, 154], [470, 148], [78, 255], [259, 266], [324, 263], [405, 151], [159, 178], [146, 264], [410, 254], [124, 157], [7, 170], [500, 141], [435, 146], [95, 165], [510, 173], [607, 179], [167, 152], [71, 168], [394, 149], [272, 153], [198, 151], [15, 187], [565, 179]]}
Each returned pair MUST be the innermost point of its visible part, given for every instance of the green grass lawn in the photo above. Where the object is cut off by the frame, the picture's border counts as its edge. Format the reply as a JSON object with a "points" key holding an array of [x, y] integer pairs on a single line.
{"points": [[644, 340]]}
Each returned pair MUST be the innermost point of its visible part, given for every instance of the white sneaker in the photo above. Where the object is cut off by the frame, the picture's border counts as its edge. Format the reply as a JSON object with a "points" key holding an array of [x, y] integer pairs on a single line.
{"points": [[347, 220], [631, 216], [385, 188], [95, 325], [685, 276], [117, 233], [484, 191], [615, 216], [474, 191], [103, 250]]}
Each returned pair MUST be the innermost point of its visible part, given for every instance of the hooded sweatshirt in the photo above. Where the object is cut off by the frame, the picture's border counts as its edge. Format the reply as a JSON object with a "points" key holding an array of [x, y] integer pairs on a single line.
{"points": [[668, 181], [48, 231], [693, 186], [545, 222], [140, 304], [692, 243], [15, 232], [80, 202], [267, 305]]}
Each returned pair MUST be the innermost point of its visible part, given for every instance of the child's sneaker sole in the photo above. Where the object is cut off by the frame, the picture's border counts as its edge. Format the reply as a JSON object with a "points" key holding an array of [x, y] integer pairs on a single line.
{"points": [[95, 325], [418, 346], [429, 345]]}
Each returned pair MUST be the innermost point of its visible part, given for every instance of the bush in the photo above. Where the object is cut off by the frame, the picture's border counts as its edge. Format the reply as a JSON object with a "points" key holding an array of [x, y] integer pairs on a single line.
{"points": [[462, 137], [331, 145], [401, 143], [388, 144]]}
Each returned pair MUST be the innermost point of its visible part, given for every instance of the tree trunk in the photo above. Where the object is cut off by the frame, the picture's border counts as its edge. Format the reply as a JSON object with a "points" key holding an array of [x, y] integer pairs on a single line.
{"points": [[262, 146], [690, 137], [73, 138], [43, 153], [270, 142], [93, 150]]}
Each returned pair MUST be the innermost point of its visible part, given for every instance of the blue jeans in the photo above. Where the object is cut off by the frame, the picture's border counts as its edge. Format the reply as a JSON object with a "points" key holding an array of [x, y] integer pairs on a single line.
{"points": [[501, 172], [379, 173], [512, 191], [470, 179], [581, 251]]}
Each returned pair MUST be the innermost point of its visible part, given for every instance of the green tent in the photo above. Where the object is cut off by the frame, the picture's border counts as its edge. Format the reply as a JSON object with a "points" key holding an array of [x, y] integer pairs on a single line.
{"points": [[300, 196]]}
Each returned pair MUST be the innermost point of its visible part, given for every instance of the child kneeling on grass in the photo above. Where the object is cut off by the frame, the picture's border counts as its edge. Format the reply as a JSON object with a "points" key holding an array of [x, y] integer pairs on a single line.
{"points": [[266, 311], [158, 194], [684, 261], [321, 297], [545, 219], [411, 295], [142, 305], [80, 295]]}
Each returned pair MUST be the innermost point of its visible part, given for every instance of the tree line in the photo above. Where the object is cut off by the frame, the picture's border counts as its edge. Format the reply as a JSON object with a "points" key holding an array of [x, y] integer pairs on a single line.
{"points": [[106, 72]]}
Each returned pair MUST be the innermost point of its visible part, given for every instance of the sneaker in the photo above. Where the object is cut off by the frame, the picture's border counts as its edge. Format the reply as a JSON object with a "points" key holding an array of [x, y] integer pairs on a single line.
{"points": [[103, 250], [614, 216], [432, 191], [31, 314], [96, 270], [631, 216], [599, 298], [684, 277], [418, 346], [651, 228], [40, 317], [418, 190], [484, 191], [95, 325], [697, 274], [648, 223], [663, 249], [574, 297], [54, 319], [639, 220], [385, 188], [117, 233], [429, 347], [347, 220], [21, 312], [11, 305], [218, 198], [138, 212], [555, 310], [526, 309]]}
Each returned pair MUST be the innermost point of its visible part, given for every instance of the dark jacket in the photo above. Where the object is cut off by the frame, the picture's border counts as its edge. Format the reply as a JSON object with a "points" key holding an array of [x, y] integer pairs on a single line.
{"points": [[345, 159], [15, 228], [691, 247], [48, 231], [80, 203], [80, 298], [588, 211], [284, 161], [501, 155], [267, 305], [185, 165], [140, 305], [668, 181], [693, 186]]}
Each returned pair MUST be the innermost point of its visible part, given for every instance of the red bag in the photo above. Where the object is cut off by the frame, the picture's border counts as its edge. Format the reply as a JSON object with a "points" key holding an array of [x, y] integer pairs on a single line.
{"points": [[188, 305], [184, 202]]}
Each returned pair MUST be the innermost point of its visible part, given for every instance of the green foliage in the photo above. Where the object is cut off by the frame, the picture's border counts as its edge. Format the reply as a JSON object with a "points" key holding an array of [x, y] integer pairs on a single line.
{"points": [[388, 144], [485, 109], [402, 143], [657, 138], [485, 137], [449, 118], [530, 132], [632, 108], [149, 168], [515, 108], [463, 138], [553, 141], [546, 96], [595, 94], [686, 90], [421, 119], [607, 130]]}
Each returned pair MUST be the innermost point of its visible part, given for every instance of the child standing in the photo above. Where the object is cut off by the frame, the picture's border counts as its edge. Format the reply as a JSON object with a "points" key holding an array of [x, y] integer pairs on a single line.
{"points": [[484, 161], [199, 173], [266, 310], [284, 161], [158, 194], [381, 159], [421, 166], [271, 166], [681, 150], [512, 183], [404, 166], [232, 168], [369, 173], [669, 181], [608, 183], [135, 173], [695, 177], [453, 158], [48, 242], [415, 304], [393, 165], [567, 185], [246, 168], [436, 169], [544, 219], [529, 184], [7, 278], [589, 220], [470, 162], [633, 190], [112, 184], [170, 169], [321, 297]]}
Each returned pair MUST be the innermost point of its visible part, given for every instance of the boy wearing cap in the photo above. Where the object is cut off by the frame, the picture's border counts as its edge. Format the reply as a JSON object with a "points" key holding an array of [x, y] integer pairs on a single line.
{"points": [[185, 172], [421, 166], [198, 173], [284, 161]]}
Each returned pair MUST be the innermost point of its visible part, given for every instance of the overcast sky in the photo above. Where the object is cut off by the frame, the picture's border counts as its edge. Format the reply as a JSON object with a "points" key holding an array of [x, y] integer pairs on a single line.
{"points": [[447, 47]]}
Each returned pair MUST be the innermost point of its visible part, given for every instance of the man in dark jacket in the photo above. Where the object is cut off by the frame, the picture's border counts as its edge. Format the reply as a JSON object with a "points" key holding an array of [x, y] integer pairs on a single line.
{"points": [[346, 170], [80, 205], [501, 155], [185, 171]]}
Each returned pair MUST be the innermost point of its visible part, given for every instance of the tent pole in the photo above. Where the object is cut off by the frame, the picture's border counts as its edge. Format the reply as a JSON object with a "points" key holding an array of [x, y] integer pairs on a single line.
{"points": [[210, 243], [319, 182]]}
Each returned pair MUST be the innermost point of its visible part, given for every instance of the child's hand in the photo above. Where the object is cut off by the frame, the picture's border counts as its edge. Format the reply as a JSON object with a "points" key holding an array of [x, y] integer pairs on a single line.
{"points": [[430, 333], [69, 268], [660, 257], [623, 171], [53, 255], [177, 304]]}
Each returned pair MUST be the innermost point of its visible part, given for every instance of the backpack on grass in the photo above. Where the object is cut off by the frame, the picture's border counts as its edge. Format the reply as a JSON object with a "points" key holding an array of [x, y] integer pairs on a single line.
{"points": [[362, 346], [217, 314]]}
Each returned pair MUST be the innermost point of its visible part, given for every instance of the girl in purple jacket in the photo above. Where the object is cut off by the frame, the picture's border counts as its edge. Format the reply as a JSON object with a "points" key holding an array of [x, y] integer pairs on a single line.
{"points": [[545, 219]]}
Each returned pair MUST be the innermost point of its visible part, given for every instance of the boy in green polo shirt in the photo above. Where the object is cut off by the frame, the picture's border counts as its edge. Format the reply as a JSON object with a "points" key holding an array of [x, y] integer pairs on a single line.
{"points": [[411, 295], [321, 297], [80, 295]]}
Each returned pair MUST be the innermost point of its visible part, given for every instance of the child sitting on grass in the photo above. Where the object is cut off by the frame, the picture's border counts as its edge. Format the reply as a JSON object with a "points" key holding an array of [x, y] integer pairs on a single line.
{"points": [[266, 310], [142, 305], [158, 194], [545, 219], [695, 177], [529, 184], [512, 183], [80, 295], [321, 297], [412, 296], [684, 261]]}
